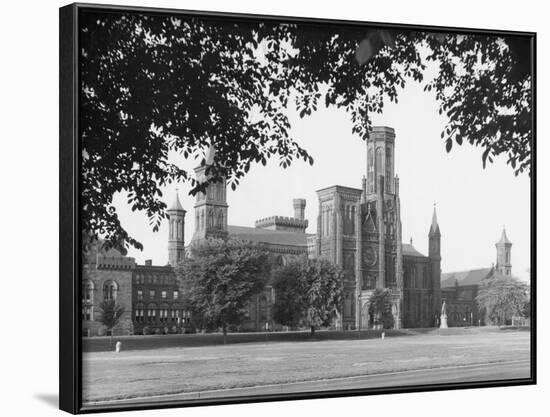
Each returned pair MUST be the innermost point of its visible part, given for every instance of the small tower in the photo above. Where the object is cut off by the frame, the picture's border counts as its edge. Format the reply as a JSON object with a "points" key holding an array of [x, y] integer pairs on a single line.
{"points": [[210, 206], [299, 208], [176, 222], [380, 161], [434, 250], [434, 237], [504, 254]]}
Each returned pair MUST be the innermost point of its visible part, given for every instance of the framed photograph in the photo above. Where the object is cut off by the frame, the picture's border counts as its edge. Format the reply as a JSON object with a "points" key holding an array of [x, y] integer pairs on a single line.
{"points": [[262, 208]]}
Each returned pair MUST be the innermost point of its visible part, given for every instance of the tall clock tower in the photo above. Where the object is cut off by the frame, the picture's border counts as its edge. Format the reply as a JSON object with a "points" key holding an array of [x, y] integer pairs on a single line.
{"points": [[211, 205], [379, 260]]}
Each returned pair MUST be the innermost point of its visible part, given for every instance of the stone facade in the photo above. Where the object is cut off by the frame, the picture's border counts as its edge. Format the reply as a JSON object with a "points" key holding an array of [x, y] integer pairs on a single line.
{"points": [[158, 307], [106, 275], [460, 288], [360, 230], [284, 237], [462, 308]]}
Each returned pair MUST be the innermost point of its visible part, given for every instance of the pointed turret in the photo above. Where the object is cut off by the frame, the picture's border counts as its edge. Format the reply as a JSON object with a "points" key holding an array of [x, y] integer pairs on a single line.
{"points": [[503, 238], [434, 228], [504, 254], [434, 249], [176, 205], [176, 231]]}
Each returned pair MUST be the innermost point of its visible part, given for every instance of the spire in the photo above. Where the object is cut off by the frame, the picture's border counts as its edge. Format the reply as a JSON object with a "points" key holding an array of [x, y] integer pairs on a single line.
{"points": [[434, 228], [176, 205], [503, 238]]}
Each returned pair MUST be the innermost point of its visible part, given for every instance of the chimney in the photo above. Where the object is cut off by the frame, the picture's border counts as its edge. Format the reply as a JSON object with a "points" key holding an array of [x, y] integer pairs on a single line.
{"points": [[148, 262], [299, 208]]}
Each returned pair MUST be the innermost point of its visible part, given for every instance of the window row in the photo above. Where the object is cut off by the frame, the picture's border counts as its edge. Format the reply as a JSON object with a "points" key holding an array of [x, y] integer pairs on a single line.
{"points": [[152, 279], [164, 315], [153, 294]]}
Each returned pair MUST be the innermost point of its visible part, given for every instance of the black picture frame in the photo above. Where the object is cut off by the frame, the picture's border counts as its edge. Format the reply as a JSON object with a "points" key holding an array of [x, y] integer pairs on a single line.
{"points": [[70, 355]]}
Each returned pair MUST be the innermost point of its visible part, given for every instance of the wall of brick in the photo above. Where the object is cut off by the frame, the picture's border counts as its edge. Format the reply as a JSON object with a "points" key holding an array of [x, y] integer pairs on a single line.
{"points": [[99, 277]]}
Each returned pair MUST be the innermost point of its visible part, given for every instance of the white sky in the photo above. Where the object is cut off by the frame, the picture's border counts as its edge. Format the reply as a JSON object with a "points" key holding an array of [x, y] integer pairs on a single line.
{"points": [[473, 204]]}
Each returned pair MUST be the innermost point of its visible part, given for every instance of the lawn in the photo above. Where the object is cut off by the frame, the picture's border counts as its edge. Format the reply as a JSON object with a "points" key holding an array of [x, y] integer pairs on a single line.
{"points": [[141, 373]]}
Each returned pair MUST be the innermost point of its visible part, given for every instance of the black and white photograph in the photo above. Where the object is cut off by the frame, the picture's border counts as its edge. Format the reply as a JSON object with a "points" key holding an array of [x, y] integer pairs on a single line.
{"points": [[277, 208]]}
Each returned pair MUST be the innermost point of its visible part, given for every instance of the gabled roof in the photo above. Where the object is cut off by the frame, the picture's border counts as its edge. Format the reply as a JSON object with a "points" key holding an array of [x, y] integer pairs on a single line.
{"points": [[410, 250], [274, 237], [470, 277]]}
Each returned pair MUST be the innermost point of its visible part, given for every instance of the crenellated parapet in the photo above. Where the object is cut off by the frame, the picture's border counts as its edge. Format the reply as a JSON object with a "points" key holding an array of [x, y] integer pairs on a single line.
{"points": [[284, 223], [115, 262]]}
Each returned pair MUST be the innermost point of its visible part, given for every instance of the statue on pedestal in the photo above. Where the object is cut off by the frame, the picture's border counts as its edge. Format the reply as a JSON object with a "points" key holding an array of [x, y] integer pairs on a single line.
{"points": [[443, 320]]}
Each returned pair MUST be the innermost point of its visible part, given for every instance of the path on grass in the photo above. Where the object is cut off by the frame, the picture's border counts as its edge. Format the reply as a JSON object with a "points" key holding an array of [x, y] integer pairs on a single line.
{"points": [[455, 374], [134, 374]]}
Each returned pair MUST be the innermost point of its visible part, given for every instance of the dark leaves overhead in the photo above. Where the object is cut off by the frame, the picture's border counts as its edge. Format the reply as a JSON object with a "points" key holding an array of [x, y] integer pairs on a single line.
{"points": [[151, 85]]}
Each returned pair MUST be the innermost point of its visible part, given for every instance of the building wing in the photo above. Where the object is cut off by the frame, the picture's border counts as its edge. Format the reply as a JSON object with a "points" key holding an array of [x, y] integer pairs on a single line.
{"points": [[469, 277]]}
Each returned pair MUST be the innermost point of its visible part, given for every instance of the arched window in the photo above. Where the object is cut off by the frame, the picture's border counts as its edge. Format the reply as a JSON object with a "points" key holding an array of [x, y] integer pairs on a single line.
{"points": [[352, 220], [139, 313], [370, 172], [175, 313], [388, 170], [110, 289], [347, 305], [151, 313], [211, 219], [379, 164], [163, 313], [88, 292]]}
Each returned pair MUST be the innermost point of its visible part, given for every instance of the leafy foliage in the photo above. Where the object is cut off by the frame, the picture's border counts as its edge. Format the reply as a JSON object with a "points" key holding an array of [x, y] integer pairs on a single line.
{"points": [[502, 297], [380, 307], [289, 305], [219, 278], [111, 313], [483, 82], [308, 292], [151, 85]]}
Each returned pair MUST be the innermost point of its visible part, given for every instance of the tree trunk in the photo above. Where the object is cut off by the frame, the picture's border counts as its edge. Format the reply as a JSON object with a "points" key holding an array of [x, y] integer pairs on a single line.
{"points": [[312, 331], [111, 340], [224, 329]]}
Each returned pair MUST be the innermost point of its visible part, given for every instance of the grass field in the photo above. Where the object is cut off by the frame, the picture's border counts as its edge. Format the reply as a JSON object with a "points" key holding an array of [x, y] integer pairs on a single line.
{"points": [[169, 370]]}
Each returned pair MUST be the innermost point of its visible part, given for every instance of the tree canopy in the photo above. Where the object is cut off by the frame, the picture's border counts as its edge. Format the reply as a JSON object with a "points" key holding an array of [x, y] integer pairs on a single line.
{"points": [[153, 84], [289, 305], [307, 292], [219, 278], [502, 297], [111, 313], [380, 307]]}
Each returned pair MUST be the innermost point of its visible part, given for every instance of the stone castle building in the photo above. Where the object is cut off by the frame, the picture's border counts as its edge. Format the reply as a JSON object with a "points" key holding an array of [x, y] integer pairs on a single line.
{"points": [[358, 229], [460, 289]]}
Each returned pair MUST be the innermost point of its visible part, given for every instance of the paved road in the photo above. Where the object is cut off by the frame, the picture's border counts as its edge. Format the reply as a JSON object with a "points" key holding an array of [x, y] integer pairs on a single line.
{"points": [[468, 373]]}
